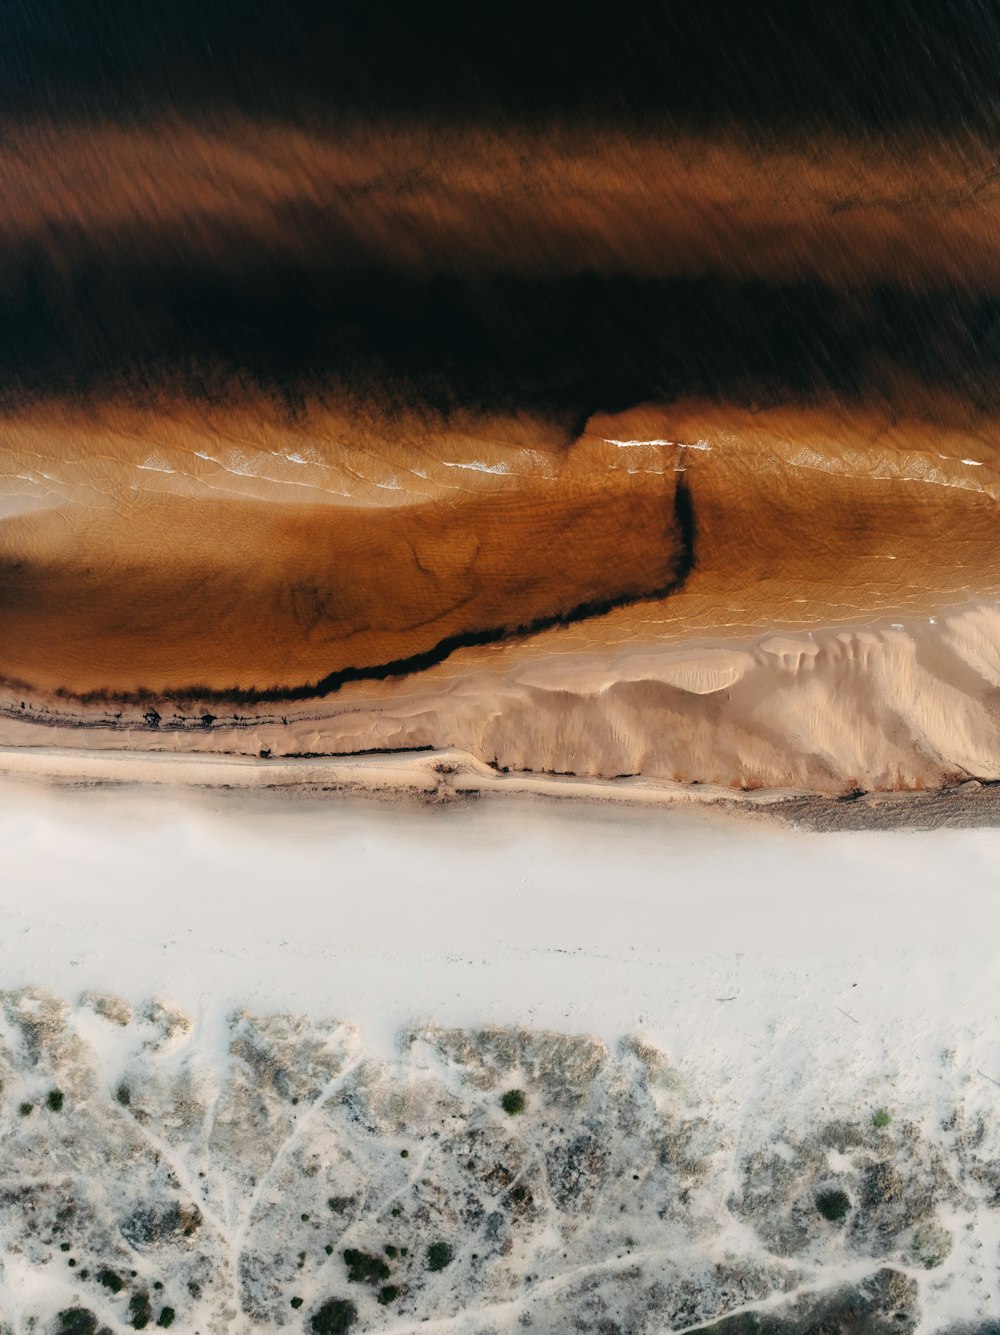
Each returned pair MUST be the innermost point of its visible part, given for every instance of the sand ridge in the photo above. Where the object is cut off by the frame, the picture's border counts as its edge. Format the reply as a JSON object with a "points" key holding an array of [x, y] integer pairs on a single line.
{"points": [[917, 708]]}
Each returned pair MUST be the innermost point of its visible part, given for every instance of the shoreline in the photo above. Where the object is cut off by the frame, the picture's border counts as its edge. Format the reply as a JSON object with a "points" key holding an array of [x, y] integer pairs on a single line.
{"points": [[446, 775]]}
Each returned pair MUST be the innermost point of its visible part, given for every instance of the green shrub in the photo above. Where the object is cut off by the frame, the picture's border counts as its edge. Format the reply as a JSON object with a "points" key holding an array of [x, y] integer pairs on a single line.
{"points": [[25, 1111], [166, 1317], [54, 1100], [335, 1317], [296, 1303], [140, 1313], [833, 1205], [77, 1321], [439, 1254], [513, 1102], [110, 1280], [388, 1294], [881, 1118], [364, 1269]]}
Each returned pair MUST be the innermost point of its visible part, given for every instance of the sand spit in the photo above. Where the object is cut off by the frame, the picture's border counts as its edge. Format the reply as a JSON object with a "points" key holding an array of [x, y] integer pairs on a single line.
{"points": [[902, 706]]}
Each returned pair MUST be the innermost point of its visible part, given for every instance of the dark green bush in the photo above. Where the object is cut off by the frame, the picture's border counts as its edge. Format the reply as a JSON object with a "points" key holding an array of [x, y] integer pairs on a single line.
{"points": [[833, 1205], [77, 1321], [166, 1317], [388, 1294], [439, 1254], [140, 1313], [54, 1100], [513, 1102], [363, 1268], [335, 1317]]}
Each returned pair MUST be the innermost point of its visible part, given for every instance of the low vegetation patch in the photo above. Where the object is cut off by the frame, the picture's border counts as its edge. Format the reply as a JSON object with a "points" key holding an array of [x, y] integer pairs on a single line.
{"points": [[77, 1321], [335, 1317], [833, 1205], [140, 1313], [439, 1255], [363, 1268], [513, 1102]]}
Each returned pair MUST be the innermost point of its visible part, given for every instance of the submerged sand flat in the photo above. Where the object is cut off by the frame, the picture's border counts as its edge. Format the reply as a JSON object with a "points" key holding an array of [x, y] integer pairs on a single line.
{"points": [[168, 566]]}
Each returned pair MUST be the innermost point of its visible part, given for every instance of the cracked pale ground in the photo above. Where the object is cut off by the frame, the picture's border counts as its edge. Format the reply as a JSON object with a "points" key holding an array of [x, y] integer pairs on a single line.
{"points": [[225, 1194]]}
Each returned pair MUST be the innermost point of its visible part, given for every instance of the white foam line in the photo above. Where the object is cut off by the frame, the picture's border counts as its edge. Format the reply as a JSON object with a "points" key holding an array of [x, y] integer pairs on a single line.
{"points": [[478, 467]]}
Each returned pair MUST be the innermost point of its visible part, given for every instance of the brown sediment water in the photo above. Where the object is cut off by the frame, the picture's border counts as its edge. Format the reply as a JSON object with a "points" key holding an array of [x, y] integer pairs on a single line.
{"points": [[172, 594], [654, 524], [603, 444], [427, 199]]}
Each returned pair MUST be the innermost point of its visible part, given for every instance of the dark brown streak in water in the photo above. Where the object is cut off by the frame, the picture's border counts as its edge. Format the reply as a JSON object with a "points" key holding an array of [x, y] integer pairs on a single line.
{"points": [[425, 200], [560, 273], [805, 518]]}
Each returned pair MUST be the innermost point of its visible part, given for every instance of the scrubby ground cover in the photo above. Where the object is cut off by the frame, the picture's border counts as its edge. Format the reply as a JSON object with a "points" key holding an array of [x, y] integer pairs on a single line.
{"points": [[266, 1174]]}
